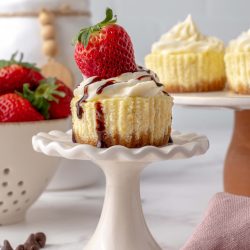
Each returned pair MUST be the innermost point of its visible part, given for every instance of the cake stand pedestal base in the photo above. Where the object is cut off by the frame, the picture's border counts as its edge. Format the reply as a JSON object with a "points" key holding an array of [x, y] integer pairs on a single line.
{"points": [[122, 225], [237, 163]]}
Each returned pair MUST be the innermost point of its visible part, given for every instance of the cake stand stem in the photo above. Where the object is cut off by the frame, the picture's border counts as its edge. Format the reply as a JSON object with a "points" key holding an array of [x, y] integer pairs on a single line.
{"points": [[237, 163], [122, 225]]}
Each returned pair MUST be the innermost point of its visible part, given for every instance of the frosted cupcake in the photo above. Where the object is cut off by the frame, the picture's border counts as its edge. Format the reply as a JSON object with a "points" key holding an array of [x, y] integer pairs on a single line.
{"points": [[187, 61], [237, 59], [117, 103]]}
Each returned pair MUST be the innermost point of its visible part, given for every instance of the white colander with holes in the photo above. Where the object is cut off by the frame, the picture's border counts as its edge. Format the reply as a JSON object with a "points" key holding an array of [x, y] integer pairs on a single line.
{"points": [[24, 174]]}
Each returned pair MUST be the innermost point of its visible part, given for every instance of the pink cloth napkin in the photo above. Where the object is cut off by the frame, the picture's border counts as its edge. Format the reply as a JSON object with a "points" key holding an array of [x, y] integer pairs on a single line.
{"points": [[225, 226]]}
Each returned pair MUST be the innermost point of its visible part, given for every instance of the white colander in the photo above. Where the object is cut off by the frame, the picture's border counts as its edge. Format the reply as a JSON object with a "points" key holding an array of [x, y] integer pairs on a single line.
{"points": [[24, 174]]}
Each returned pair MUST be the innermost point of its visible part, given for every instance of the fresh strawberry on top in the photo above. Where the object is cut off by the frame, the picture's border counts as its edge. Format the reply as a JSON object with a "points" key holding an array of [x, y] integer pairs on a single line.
{"points": [[14, 73], [14, 108], [105, 49], [51, 98]]}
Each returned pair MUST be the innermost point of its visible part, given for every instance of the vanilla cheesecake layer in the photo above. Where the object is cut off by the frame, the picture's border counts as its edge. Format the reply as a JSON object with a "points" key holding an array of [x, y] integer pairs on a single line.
{"points": [[189, 72], [128, 121]]}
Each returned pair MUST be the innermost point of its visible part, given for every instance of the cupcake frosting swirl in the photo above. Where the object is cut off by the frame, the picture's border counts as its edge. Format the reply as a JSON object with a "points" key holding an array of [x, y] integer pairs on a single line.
{"points": [[143, 83], [185, 37], [240, 44]]}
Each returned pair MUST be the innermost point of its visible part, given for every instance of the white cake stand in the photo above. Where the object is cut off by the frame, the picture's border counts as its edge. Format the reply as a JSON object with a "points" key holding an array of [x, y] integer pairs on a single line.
{"points": [[122, 225], [237, 162]]}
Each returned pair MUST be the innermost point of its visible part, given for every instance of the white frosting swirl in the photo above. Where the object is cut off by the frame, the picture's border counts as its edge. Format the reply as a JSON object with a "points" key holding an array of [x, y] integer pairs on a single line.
{"points": [[137, 84], [185, 37], [240, 44]]}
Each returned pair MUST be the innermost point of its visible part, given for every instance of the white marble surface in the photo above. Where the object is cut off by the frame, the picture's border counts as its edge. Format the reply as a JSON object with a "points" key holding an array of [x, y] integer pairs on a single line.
{"points": [[175, 194]]}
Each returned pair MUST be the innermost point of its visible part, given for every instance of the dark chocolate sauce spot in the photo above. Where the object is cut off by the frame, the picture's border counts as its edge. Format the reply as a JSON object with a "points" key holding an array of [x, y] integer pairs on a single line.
{"points": [[100, 126], [157, 83], [150, 74], [101, 88], [165, 93], [141, 77], [170, 141], [140, 68], [73, 137], [153, 78]]}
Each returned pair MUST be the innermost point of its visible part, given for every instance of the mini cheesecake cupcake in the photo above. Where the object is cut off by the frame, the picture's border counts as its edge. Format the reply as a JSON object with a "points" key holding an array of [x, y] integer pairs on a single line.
{"points": [[237, 59], [118, 103], [132, 110], [187, 61]]}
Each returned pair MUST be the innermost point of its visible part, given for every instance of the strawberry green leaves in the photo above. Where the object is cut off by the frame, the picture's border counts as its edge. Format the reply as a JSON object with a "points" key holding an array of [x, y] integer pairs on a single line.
{"points": [[85, 33], [45, 93], [109, 17], [84, 37], [13, 60]]}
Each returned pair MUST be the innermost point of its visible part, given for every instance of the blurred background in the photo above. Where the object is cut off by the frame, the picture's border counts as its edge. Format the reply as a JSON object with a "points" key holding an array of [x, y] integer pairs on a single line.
{"points": [[147, 20]]}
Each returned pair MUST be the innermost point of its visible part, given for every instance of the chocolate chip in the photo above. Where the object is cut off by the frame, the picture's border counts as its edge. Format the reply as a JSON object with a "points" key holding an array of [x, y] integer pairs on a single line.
{"points": [[20, 247], [40, 239], [31, 242], [6, 246], [34, 242], [33, 247]]}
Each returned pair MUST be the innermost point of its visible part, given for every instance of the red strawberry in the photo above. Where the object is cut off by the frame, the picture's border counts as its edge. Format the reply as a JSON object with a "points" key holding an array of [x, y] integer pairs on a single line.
{"points": [[14, 108], [61, 109], [51, 98], [13, 74], [105, 49]]}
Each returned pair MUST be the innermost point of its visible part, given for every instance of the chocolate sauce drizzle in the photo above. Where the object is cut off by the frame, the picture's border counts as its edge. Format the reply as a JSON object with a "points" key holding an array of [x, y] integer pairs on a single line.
{"points": [[85, 97], [101, 88], [100, 120], [150, 74], [170, 140], [100, 125], [73, 136], [153, 76]]}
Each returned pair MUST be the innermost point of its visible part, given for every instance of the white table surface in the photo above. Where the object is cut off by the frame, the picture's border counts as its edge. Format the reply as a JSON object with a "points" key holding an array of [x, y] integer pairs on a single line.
{"points": [[175, 194]]}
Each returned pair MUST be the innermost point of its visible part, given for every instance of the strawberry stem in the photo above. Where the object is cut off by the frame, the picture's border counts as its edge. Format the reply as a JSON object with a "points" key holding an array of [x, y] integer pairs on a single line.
{"points": [[84, 34], [7, 63]]}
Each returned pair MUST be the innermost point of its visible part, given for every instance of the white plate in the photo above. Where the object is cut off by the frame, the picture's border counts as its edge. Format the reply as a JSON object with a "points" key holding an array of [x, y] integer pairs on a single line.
{"points": [[221, 99]]}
